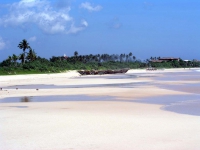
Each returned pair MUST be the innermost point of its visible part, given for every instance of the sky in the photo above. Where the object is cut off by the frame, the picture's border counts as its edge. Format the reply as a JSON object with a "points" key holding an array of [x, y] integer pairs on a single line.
{"points": [[168, 28]]}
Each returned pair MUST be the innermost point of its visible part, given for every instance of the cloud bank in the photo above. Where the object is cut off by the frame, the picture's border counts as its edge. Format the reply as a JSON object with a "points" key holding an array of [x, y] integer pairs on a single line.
{"points": [[2, 43], [89, 7], [43, 14]]}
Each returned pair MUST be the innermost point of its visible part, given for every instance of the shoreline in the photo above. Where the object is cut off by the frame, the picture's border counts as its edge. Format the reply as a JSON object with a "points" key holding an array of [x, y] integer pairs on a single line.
{"points": [[74, 73]]}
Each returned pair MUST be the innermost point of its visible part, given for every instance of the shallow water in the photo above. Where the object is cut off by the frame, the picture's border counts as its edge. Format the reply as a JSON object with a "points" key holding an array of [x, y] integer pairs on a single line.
{"points": [[180, 76], [52, 86], [188, 88], [20, 106], [190, 107], [183, 104], [57, 98], [185, 86]]}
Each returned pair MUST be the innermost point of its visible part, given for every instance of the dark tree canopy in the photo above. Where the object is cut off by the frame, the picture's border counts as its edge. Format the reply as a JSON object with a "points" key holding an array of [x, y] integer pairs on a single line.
{"points": [[24, 45]]}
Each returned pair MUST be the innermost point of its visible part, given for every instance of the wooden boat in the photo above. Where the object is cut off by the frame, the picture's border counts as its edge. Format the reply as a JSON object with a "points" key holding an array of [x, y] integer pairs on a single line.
{"points": [[101, 72]]}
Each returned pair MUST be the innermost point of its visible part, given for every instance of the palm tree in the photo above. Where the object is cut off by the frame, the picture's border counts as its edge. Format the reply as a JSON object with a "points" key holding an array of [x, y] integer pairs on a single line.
{"points": [[130, 54], [134, 58], [24, 45], [121, 57], [99, 57], [9, 59], [31, 55], [102, 57], [14, 58], [124, 56], [75, 55], [90, 57], [127, 58], [21, 57]]}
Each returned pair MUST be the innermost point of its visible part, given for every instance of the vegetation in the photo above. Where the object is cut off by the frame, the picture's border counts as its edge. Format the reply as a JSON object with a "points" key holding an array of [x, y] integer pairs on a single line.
{"points": [[29, 62], [23, 45]]}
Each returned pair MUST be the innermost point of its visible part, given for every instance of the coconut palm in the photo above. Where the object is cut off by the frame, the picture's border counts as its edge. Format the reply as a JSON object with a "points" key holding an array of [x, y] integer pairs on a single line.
{"points": [[120, 58], [24, 45], [14, 58], [130, 54], [31, 55], [127, 58], [134, 58], [9, 59], [22, 58], [75, 55]]}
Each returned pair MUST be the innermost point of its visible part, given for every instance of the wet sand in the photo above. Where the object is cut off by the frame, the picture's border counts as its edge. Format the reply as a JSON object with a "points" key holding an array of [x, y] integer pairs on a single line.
{"points": [[140, 110]]}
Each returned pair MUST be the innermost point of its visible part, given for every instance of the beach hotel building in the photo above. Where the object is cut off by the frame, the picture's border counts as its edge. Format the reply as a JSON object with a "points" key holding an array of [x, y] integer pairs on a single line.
{"points": [[165, 59], [168, 59]]}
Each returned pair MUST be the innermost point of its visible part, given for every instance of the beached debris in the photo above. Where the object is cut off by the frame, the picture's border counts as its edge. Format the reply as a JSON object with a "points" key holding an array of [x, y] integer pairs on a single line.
{"points": [[25, 99], [151, 69], [101, 72]]}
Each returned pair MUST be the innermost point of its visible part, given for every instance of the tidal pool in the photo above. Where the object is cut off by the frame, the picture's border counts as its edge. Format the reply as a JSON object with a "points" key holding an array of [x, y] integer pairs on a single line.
{"points": [[183, 104], [57, 98], [52, 86]]}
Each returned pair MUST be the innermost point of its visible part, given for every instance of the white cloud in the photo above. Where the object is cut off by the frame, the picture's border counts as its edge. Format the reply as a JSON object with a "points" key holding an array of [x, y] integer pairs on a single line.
{"points": [[84, 23], [40, 13], [74, 29], [89, 7], [2, 43], [32, 39]]}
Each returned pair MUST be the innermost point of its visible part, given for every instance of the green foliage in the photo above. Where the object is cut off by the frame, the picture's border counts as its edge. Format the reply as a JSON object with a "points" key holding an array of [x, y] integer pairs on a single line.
{"points": [[31, 63], [31, 56], [23, 45]]}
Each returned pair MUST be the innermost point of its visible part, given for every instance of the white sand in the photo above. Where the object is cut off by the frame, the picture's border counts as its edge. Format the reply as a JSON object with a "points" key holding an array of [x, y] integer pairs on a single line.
{"points": [[92, 125]]}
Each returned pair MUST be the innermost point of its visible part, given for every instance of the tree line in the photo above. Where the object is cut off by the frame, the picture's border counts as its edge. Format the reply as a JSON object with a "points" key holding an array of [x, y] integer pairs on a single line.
{"points": [[29, 62]]}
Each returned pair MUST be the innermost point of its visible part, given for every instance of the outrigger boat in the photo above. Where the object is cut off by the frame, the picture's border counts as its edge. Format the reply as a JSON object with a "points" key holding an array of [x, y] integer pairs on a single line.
{"points": [[101, 72]]}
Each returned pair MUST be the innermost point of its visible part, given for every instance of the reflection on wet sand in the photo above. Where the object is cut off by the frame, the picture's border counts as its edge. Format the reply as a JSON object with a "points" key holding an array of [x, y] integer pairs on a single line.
{"points": [[187, 104]]}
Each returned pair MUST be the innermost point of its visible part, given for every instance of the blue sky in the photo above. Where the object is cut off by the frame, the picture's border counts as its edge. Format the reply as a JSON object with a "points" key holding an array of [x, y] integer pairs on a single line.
{"points": [[168, 28]]}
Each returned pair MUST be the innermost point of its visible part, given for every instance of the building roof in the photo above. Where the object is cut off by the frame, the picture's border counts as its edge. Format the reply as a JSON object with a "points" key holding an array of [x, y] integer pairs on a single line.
{"points": [[168, 58], [156, 60]]}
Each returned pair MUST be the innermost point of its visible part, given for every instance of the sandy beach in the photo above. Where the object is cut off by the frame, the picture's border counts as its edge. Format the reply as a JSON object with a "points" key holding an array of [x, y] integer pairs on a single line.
{"points": [[139, 110]]}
